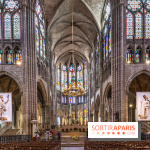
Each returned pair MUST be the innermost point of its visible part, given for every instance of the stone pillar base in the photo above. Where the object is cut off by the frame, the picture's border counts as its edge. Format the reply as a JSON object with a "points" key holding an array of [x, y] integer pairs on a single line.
{"points": [[34, 126]]}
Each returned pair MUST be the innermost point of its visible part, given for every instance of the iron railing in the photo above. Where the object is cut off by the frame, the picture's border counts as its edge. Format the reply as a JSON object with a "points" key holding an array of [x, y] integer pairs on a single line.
{"points": [[12, 138]]}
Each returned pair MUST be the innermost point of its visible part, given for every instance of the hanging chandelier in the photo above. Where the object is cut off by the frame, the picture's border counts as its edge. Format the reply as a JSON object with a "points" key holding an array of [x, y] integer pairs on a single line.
{"points": [[73, 89], [78, 91]]}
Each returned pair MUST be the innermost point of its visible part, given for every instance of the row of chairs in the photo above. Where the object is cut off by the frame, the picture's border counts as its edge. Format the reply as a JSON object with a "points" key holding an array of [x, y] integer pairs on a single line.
{"points": [[80, 130], [116, 145], [38, 145]]}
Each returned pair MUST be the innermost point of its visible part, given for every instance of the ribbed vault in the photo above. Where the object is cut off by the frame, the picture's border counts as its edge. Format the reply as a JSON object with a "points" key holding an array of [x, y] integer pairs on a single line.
{"points": [[65, 39]]}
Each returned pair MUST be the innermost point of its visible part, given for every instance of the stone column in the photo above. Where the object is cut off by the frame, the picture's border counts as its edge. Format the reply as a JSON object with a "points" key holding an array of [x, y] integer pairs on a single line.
{"points": [[95, 116], [118, 58], [29, 97], [34, 126]]}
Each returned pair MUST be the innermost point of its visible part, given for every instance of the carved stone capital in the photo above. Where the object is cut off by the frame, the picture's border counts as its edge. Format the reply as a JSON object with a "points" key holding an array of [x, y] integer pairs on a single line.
{"points": [[34, 121]]}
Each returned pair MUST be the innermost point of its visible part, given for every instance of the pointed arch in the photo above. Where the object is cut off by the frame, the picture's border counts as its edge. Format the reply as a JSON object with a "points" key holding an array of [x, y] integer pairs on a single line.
{"points": [[9, 55], [147, 25], [129, 54], [138, 26], [138, 54], [129, 25], [7, 26], [16, 26]]}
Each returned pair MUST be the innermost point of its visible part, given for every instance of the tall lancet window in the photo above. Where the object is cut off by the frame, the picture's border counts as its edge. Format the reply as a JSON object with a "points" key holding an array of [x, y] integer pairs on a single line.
{"points": [[7, 26], [16, 26], [138, 26], [106, 21], [39, 31], [129, 25], [79, 77]]}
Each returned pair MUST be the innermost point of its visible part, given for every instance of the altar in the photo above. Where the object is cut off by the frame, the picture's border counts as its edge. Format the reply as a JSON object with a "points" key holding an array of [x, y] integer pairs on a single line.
{"points": [[71, 128]]}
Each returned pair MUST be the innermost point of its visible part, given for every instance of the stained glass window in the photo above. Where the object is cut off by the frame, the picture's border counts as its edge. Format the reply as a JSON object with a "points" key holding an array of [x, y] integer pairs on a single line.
{"points": [[0, 56], [70, 100], [41, 45], [85, 76], [74, 100], [44, 48], [7, 26], [58, 78], [37, 40], [11, 5], [16, 27], [104, 49], [110, 40], [79, 77], [129, 56], [147, 54], [0, 26], [138, 26], [62, 81], [147, 26], [72, 77], [137, 56], [129, 26], [106, 46], [17, 57], [107, 12], [39, 22], [9, 57], [148, 4], [134, 5]]}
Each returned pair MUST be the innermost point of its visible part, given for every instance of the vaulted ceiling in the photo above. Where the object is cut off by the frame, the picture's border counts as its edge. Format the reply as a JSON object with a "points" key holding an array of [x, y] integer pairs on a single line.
{"points": [[73, 26]]}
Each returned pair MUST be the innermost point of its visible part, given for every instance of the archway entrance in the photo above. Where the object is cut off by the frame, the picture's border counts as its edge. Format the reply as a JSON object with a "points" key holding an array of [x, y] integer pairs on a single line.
{"points": [[40, 105], [108, 105], [8, 84], [141, 83]]}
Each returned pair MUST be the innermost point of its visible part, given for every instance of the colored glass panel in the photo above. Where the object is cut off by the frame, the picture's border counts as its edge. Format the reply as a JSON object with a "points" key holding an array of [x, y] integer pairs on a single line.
{"points": [[72, 77], [79, 77], [110, 40], [134, 5], [85, 77], [138, 26], [74, 100], [42, 29], [137, 56], [7, 26], [16, 26], [58, 79], [62, 81], [129, 56], [107, 12], [0, 27], [41, 45], [0, 57], [148, 4], [9, 57], [70, 100], [146, 56], [36, 20], [129, 26], [37, 40], [11, 5], [106, 46], [104, 49], [147, 26]]}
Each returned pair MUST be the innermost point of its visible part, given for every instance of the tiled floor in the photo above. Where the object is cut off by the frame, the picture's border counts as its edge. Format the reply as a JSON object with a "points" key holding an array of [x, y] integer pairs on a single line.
{"points": [[72, 148]]}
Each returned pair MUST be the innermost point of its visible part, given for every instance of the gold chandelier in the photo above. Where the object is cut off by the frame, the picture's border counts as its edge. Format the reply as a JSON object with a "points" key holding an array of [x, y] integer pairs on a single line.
{"points": [[73, 90]]}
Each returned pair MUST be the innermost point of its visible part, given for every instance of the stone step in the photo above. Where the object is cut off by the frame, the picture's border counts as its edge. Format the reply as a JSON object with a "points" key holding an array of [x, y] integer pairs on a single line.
{"points": [[11, 132]]}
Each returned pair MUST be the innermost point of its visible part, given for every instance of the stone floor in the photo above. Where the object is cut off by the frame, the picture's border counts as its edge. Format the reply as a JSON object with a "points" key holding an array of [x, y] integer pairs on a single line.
{"points": [[72, 148]]}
